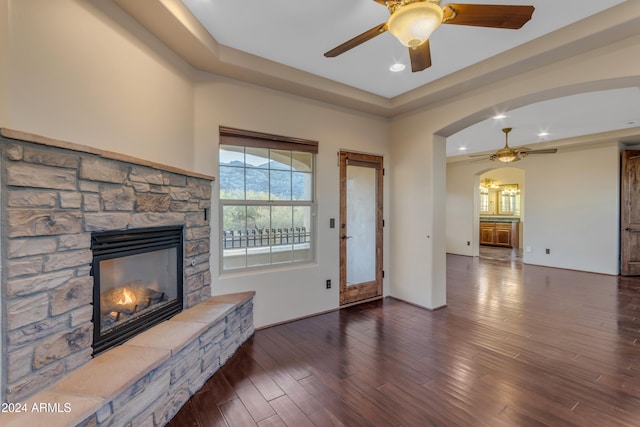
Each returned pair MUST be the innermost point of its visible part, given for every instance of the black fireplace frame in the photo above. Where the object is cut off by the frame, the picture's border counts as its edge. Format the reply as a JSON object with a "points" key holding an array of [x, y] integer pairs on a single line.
{"points": [[120, 243]]}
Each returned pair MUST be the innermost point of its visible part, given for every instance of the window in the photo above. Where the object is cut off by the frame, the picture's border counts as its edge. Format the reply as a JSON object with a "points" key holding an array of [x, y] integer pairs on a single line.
{"points": [[484, 200], [509, 197], [266, 199]]}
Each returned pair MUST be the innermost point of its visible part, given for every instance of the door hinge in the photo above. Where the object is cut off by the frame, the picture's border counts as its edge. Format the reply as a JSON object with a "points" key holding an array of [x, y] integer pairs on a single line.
{"points": [[383, 274], [383, 222], [382, 171]]}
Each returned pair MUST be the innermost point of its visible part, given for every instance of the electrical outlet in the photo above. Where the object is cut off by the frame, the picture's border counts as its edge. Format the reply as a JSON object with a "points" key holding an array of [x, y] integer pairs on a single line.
{"points": [[328, 283], [547, 251], [468, 243]]}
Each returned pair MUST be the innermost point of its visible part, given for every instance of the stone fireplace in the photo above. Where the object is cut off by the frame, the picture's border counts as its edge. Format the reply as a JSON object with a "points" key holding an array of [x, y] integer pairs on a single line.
{"points": [[59, 199]]}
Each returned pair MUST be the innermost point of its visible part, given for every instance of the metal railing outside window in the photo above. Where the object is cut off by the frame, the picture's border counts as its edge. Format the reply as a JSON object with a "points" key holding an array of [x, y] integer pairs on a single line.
{"points": [[250, 238]]}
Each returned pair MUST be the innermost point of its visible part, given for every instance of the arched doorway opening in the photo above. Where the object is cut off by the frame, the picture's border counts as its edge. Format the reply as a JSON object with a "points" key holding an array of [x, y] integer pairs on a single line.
{"points": [[500, 213]]}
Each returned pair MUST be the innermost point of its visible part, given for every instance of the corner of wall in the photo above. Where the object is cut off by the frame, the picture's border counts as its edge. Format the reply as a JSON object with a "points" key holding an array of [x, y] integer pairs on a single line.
{"points": [[4, 66]]}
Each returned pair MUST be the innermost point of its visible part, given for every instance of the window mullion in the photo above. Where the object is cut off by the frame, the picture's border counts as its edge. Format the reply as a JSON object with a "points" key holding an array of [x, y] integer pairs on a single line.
{"points": [[270, 228], [244, 170]]}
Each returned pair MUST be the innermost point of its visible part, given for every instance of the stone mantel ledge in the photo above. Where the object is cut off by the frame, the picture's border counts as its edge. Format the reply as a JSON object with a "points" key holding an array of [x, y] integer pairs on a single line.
{"points": [[50, 142], [87, 389]]}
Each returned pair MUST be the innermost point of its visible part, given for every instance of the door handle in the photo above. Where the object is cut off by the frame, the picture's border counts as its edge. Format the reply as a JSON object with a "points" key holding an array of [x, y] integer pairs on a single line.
{"points": [[345, 237]]}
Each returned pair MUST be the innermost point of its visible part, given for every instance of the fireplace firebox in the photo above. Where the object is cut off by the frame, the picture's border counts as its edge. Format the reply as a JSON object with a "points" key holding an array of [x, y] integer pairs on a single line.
{"points": [[137, 282]]}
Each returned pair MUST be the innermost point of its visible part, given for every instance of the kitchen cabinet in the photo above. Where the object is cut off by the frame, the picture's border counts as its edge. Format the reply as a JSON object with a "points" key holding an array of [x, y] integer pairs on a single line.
{"points": [[500, 233]]}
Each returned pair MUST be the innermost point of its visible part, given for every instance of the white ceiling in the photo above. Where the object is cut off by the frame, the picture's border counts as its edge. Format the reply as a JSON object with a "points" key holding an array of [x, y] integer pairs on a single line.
{"points": [[562, 118], [297, 33]]}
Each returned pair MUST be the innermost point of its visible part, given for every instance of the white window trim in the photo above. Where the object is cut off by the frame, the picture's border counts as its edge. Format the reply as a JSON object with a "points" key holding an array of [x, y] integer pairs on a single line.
{"points": [[304, 144]]}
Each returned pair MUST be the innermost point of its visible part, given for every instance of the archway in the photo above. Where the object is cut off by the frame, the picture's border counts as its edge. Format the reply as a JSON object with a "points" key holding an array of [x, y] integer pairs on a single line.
{"points": [[420, 178], [500, 208]]}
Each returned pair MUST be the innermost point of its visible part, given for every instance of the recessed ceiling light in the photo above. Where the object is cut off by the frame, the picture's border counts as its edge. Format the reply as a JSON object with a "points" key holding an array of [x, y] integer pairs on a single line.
{"points": [[397, 67], [500, 116], [633, 122], [543, 134], [462, 148]]}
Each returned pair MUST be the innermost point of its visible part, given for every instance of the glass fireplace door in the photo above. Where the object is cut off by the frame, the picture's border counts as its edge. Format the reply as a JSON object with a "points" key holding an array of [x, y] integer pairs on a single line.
{"points": [[137, 276], [135, 284]]}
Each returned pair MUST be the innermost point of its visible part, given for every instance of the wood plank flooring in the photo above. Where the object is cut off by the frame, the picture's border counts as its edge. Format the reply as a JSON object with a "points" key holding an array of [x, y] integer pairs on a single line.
{"points": [[518, 345], [500, 253]]}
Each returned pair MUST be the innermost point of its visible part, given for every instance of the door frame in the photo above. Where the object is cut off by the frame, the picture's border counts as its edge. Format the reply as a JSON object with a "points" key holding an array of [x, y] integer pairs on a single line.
{"points": [[629, 264], [372, 289]]}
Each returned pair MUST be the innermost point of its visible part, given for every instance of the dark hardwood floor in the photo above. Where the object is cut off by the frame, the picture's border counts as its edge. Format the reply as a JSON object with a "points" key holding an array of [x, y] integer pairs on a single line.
{"points": [[499, 253], [518, 345]]}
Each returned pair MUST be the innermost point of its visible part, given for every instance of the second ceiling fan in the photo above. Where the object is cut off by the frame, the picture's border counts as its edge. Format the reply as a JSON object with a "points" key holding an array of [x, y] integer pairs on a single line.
{"points": [[413, 21], [510, 155]]}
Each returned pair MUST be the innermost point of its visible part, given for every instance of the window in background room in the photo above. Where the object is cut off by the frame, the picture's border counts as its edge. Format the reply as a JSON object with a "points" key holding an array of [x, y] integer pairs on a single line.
{"points": [[484, 200], [266, 199]]}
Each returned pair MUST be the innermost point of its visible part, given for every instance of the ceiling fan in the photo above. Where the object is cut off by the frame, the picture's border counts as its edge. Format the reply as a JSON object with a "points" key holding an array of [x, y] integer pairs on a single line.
{"points": [[413, 21], [509, 155]]}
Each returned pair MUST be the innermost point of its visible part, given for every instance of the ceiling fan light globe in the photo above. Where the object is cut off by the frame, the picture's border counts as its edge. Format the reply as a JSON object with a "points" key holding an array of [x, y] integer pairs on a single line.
{"points": [[507, 159], [413, 23]]}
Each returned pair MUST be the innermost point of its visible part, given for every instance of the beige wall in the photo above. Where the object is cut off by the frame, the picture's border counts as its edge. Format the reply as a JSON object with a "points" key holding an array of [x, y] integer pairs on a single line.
{"points": [[286, 293], [94, 77], [4, 61], [417, 193], [572, 207], [585, 207]]}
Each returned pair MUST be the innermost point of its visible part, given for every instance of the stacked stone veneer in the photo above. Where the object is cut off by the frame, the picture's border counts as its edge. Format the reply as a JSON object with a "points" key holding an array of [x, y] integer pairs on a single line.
{"points": [[146, 380], [53, 196]]}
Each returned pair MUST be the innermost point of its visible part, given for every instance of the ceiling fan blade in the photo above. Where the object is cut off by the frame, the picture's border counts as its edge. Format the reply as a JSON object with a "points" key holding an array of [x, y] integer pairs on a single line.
{"points": [[487, 15], [478, 155], [357, 40], [541, 151], [420, 57]]}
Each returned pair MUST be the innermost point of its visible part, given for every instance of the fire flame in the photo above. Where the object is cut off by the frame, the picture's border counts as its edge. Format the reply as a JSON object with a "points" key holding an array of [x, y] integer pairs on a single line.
{"points": [[125, 297]]}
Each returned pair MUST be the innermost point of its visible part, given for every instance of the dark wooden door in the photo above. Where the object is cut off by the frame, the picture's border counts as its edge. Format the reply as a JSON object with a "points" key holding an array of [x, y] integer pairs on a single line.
{"points": [[630, 213], [360, 227]]}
